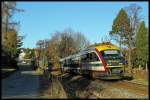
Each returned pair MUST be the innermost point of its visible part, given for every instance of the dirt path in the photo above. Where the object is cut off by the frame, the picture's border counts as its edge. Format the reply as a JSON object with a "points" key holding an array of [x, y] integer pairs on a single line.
{"points": [[22, 84]]}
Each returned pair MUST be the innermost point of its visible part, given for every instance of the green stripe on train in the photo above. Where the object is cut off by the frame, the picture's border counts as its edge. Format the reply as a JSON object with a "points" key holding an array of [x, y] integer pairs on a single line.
{"points": [[95, 64], [115, 66]]}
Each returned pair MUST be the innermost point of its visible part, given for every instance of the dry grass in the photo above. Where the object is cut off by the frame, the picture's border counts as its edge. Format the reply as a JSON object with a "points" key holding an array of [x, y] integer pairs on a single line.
{"points": [[55, 73], [139, 76], [51, 88], [76, 86], [39, 71]]}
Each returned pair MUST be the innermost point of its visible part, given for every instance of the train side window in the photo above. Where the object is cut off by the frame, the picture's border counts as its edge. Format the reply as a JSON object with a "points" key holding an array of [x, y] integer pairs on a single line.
{"points": [[93, 56], [65, 64], [89, 57], [84, 58]]}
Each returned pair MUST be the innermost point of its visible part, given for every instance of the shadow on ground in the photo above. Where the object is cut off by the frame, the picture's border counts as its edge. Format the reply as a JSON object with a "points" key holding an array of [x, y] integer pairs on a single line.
{"points": [[24, 83], [66, 86]]}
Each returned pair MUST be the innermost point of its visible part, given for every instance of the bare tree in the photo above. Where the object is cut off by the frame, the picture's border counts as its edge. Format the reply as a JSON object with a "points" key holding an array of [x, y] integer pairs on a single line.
{"points": [[105, 39], [133, 12], [63, 44], [52, 52], [80, 41]]}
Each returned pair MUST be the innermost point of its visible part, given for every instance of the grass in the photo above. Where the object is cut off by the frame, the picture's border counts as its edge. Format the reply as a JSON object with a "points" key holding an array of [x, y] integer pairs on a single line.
{"points": [[139, 76], [55, 73], [39, 71], [140, 81]]}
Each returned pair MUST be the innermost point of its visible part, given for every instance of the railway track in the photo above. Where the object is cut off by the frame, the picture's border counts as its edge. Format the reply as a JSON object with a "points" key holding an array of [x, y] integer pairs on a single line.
{"points": [[137, 88], [118, 85], [130, 86]]}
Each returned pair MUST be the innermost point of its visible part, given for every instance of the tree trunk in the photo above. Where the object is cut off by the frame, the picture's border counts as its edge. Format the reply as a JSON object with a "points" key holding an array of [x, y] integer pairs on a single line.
{"points": [[129, 56], [139, 67], [129, 61], [120, 45], [146, 67]]}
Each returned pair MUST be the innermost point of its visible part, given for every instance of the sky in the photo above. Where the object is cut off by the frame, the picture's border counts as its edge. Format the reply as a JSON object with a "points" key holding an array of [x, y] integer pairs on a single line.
{"points": [[93, 19]]}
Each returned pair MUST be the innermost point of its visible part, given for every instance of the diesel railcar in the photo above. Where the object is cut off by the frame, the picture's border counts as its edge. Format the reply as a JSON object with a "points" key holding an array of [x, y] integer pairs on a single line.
{"points": [[100, 61]]}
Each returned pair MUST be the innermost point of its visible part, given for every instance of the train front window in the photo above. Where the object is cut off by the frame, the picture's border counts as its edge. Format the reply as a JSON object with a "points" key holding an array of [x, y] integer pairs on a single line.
{"points": [[110, 54], [112, 57]]}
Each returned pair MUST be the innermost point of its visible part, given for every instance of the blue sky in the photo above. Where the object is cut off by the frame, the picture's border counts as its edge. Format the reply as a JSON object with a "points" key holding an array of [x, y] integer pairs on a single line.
{"points": [[93, 19]]}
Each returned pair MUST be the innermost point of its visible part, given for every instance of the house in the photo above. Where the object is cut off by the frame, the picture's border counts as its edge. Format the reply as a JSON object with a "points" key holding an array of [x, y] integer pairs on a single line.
{"points": [[21, 56]]}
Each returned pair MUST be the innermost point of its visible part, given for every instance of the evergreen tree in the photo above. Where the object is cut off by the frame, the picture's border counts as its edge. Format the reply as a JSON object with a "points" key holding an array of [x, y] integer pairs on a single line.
{"points": [[142, 44], [120, 27], [121, 30]]}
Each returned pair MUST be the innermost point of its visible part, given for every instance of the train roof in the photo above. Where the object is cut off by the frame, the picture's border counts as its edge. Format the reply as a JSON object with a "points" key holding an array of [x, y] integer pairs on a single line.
{"points": [[66, 58], [104, 46], [100, 47], [78, 54]]}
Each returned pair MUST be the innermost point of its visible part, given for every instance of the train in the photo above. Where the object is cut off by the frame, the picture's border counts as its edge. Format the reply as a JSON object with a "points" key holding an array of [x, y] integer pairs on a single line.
{"points": [[103, 61]]}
